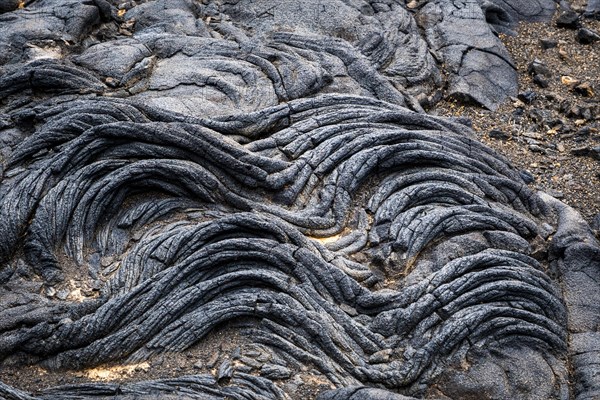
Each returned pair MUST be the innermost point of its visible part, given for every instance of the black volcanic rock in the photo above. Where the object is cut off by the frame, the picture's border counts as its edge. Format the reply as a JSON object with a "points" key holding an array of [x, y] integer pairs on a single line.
{"points": [[537, 67], [587, 36], [548, 43], [527, 97], [568, 19], [259, 179]]}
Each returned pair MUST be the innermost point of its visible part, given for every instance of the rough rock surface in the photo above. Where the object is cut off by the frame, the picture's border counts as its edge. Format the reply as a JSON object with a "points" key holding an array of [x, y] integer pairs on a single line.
{"points": [[171, 167], [593, 9]]}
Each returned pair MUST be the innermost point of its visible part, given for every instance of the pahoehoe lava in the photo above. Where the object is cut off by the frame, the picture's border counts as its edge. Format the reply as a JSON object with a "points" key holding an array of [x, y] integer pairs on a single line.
{"points": [[168, 167]]}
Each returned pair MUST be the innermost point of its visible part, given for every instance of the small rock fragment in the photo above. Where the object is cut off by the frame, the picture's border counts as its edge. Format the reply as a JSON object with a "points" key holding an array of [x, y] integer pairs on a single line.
{"points": [[587, 36], [244, 369], [527, 176], [236, 353], [466, 121], [527, 97], [272, 371], [584, 89], [537, 67], [568, 80], [412, 4], [251, 362], [533, 135], [225, 372], [498, 134], [548, 43], [563, 53], [536, 149], [592, 152], [518, 104], [568, 19], [111, 82]]}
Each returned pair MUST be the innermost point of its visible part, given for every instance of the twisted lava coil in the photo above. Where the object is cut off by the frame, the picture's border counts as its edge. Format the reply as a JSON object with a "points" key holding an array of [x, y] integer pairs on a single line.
{"points": [[174, 168]]}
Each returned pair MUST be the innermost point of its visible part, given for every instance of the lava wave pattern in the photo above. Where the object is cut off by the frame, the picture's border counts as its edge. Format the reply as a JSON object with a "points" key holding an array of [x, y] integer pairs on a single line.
{"points": [[212, 172]]}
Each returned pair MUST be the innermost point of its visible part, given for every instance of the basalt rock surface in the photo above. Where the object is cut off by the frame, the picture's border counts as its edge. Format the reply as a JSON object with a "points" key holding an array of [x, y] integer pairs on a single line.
{"points": [[171, 166]]}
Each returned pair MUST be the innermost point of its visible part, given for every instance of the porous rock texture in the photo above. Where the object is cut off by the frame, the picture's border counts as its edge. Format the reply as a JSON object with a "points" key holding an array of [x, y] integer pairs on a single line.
{"points": [[169, 166]]}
